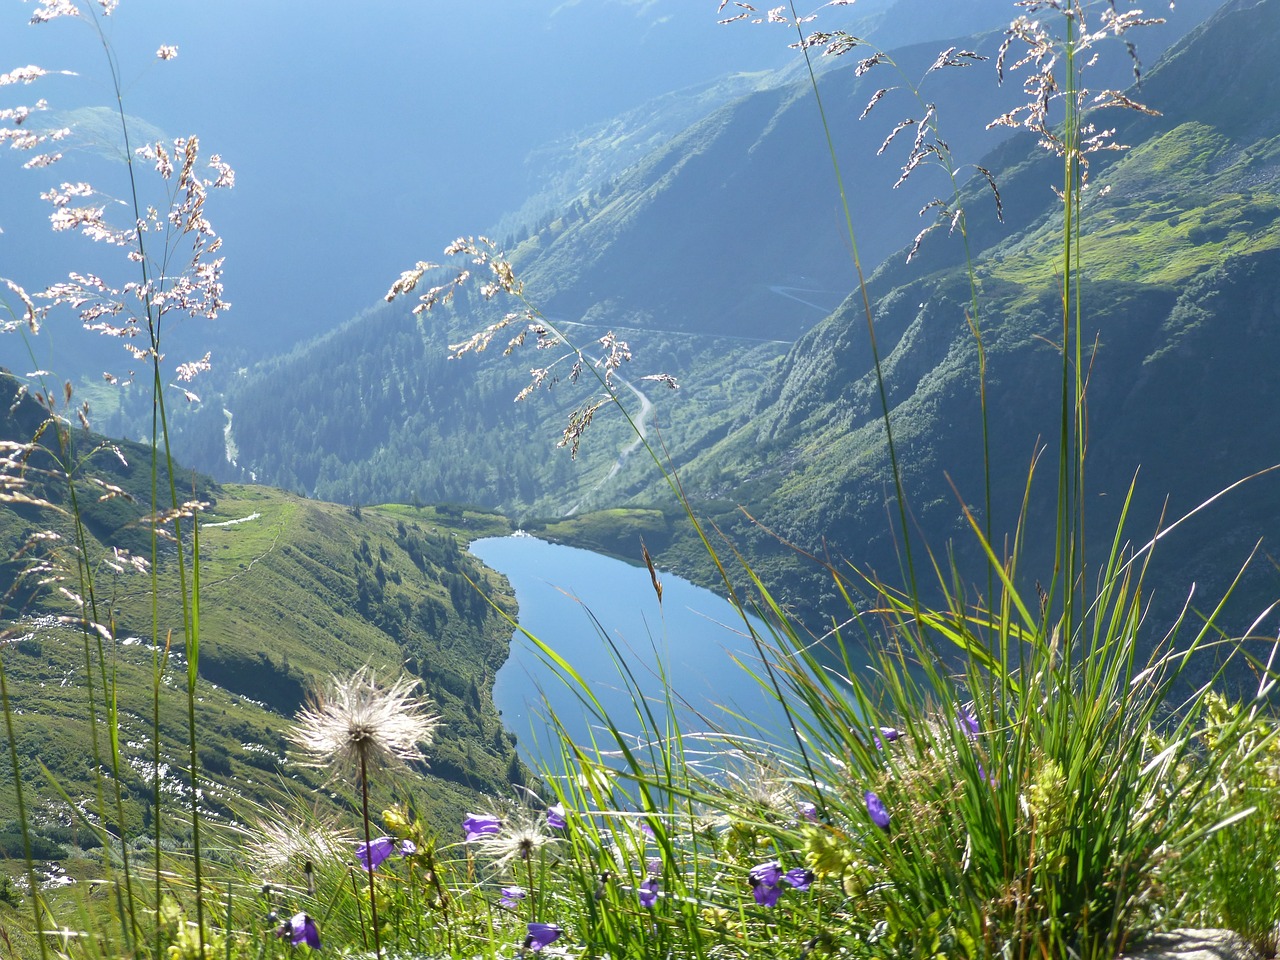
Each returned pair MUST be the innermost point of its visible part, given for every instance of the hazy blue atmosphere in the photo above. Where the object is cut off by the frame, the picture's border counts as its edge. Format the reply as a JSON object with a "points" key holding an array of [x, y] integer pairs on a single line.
{"points": [[364, 136]]}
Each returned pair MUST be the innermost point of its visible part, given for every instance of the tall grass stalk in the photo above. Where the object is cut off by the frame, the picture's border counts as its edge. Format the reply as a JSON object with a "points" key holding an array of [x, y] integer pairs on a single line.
{"points": [[161, 286], [37, 907]]}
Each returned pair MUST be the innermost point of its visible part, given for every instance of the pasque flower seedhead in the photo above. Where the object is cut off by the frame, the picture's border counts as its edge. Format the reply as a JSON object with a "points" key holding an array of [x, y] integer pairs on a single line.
{"points": [[356, 724]]}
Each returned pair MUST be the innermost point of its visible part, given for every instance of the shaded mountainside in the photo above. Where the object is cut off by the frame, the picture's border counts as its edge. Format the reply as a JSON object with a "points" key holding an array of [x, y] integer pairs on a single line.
{"points": [[1181, 248], [292, 591]]}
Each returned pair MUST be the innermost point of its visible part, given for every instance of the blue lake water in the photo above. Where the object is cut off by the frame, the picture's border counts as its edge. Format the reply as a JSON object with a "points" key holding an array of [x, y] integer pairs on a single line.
{"points": [[594, 610]]}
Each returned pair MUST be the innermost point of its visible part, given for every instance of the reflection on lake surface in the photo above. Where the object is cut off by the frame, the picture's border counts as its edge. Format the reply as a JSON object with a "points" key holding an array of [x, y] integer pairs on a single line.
{"points": [[600, 614]]}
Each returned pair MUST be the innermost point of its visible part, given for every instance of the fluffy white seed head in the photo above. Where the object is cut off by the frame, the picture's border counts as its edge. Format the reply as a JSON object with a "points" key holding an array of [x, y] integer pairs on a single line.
{"points": [[355, 723]]}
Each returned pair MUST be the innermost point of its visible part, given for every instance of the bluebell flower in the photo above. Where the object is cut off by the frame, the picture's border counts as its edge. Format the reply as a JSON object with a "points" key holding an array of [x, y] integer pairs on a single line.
{"points": [[799, 878], [890, 734], [300, 928], [478, 825], [879, 815], [765, 880], [372, 854], [511, 897], [555, 817], [541, 934], [808, 810], [968, 722], [649, 892]]}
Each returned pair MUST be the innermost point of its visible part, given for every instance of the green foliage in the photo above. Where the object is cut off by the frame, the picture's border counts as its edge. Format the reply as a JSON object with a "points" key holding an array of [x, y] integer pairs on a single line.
{"points": [[1233, 878], [618, 532]]}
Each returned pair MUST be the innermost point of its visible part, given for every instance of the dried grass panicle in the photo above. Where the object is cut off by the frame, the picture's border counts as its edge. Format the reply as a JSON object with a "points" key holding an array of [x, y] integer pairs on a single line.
{"points": [[52, 9], [355, 723], [194, 287], [579, 421], [30, 316], [482, 252], [161, 519], [527, 322], [1043, 51], [875, 98], [834, 44]]}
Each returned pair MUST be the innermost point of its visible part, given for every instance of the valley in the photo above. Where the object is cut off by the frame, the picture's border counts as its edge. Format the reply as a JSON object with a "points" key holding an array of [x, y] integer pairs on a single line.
{"points": [[948, 365], [704, 255]]}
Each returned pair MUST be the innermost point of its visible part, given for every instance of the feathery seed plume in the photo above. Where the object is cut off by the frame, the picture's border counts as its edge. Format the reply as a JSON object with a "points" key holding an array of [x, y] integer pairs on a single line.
{"points": [[357, 722]]}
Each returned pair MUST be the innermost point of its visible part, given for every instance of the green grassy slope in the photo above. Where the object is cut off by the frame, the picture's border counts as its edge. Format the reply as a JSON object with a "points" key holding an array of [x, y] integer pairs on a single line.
{"points": [[291, 592]]}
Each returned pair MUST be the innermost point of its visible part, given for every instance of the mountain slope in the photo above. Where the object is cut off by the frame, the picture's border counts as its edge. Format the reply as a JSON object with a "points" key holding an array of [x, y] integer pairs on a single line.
{"points": [[1181, 242], [709, 256], [292, 591]]}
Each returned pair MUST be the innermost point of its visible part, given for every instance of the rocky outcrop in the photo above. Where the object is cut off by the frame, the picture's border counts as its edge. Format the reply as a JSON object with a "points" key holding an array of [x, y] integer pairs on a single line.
{"points": [[1194, 945]]}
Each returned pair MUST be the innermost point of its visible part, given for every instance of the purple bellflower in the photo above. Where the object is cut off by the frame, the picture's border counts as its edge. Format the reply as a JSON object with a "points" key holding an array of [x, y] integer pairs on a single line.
{"points": [[478, 825], [968, 722], [799, 878], [300, 928], [648, 893], [541, 934], [372, 854], [808, 810], [765, 880], [555, 817], [889, 734], [511, 897], [879, 815]]}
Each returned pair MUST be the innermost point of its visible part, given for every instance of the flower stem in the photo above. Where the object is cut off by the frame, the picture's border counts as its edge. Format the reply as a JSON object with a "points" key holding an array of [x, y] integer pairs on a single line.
{"points": [[373, 897], [528, 869]]}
